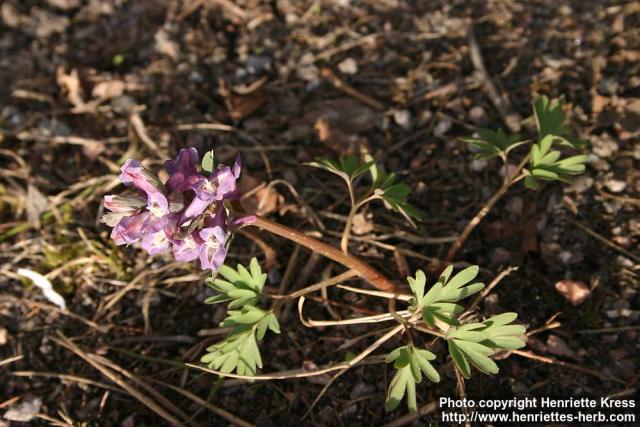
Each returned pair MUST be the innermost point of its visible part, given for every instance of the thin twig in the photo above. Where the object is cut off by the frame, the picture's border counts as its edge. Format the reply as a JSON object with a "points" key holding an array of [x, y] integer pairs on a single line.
{"points": [[339, 84], [453, 251], [489, 288], [606, 241]]}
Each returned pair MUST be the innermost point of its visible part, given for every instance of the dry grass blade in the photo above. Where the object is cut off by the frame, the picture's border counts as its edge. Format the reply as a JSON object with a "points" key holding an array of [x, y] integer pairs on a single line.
{"points": [[301, 373], [67, 377], [381, 294], [113, 376], [373, 347], [215, 409], [356, 321], [11, 359], [349, 274], [573, 366]]}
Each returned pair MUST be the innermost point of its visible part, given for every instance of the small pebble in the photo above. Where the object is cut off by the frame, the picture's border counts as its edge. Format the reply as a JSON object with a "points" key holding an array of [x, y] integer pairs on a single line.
{"points": [[403, 118], [442, 127], [558, 346], [348, 66], [478, 116], [478, 165], [615, 185]]}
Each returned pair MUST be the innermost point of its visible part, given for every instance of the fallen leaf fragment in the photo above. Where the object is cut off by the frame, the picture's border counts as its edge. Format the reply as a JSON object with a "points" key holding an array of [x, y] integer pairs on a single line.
{"points": [[24, 411], [573, 291], [43, 283]]}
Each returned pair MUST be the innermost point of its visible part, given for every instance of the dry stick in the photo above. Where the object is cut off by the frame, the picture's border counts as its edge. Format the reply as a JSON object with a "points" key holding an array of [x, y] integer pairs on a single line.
{"points": [[339, 84], [515, 177], [364, 270], [606, 241]]}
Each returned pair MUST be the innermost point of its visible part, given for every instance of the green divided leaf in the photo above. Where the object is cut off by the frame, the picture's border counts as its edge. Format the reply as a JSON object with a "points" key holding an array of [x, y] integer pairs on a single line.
{"points": [[410, 363], [502, 335], [546, 164], [347, 167], [394, 194], [473, 343], [239, 350], [550, 117], [439, 301], [241, 286], [491, 143]]}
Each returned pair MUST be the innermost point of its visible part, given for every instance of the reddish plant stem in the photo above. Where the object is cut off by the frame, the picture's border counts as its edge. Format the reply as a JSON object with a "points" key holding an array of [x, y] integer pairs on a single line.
{"points": [[364, 270]]}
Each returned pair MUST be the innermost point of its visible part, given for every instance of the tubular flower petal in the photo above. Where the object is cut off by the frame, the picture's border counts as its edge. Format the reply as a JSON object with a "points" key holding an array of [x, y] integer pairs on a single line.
{"points": [[134, 174], [183, 172], [213, 250]]}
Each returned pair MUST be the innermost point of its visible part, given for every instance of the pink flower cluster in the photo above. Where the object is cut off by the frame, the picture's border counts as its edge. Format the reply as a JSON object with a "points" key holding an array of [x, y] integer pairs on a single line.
{"points": [[186, 213]]}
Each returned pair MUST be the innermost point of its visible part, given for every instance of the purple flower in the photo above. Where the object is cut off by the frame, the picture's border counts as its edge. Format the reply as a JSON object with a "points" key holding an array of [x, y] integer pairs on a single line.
{"points": [[130, 229], [158, 206], [155, 243], [183, 172], [186, 214], [213, 250], [221, 185], [188, 248]]}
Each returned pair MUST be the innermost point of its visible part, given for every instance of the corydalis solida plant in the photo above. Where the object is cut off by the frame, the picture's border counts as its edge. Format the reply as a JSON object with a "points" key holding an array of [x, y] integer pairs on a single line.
{"points": [[186, 213], [194, 213], [543, 163]]}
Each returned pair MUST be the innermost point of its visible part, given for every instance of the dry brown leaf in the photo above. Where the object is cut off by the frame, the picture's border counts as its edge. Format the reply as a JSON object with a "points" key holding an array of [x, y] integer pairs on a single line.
{"points": [[36, 204], [243, 106], [70, 83], [573, 291], [108, 89]]}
